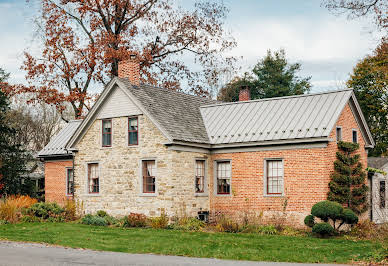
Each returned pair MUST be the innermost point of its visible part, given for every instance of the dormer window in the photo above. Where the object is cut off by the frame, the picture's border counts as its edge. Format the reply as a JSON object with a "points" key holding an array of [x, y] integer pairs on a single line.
{"points": [[107, 133], [133, 131]]}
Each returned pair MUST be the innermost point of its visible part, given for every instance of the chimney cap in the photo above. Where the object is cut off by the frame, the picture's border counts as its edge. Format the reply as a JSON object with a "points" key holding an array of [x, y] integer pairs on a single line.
{"points": [[132, 56]]}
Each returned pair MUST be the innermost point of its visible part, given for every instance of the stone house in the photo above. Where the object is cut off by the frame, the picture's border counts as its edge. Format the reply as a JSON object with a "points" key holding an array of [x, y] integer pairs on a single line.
{"points": [[150, 150], [378, 188]]}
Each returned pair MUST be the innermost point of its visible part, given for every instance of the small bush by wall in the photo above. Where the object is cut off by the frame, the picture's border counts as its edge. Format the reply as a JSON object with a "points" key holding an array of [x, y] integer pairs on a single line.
{"points": [[135, 220]]}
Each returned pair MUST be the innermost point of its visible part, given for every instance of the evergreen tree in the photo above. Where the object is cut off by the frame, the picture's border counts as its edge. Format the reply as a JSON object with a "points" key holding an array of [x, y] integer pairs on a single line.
{"points": [[347, 185], [13, 157], [272, 76]]}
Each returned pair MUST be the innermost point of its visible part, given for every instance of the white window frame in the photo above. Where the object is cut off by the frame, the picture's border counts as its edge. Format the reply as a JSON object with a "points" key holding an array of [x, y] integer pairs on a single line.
{"points": [[67, 181], [138, 131], [102, 146], [141, 193], [336, 134], [205, 181], [87, 179], [215, 179], [265, 188], [355, 131]]}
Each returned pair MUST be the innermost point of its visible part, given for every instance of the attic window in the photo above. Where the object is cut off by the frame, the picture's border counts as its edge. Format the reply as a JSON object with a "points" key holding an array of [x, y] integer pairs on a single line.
{"points": [[339, 134], [133, 134], [354, 136], [107, 133]]}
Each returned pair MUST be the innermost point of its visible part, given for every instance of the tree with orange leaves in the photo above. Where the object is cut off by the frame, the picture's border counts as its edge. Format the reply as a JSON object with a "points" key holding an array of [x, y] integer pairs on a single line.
{"points": [[84, 40]]}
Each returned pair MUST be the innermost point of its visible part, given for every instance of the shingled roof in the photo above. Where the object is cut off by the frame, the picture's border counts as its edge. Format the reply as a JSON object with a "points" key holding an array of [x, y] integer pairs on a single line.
{"points": [[57, 145], [178, 113]]}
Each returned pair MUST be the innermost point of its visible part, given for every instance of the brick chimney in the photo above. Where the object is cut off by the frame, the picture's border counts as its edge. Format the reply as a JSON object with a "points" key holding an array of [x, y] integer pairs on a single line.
{"points": [[245, 94], [130, 69]]}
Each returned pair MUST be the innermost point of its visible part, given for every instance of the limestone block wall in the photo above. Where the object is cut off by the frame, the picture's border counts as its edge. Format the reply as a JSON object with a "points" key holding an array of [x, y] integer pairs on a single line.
{"points": [[120, 173]]}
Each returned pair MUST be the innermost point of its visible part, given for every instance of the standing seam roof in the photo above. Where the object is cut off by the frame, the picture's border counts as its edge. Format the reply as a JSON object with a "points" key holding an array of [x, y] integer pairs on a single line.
{"points": [[284, 118]]}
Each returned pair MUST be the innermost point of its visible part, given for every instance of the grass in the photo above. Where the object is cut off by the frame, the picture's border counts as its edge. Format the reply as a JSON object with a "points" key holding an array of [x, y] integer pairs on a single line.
{"points": [[193, 244]]}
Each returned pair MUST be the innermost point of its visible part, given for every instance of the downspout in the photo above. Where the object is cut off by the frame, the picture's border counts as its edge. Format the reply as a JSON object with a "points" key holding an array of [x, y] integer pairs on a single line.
{"points": [[371, 196]]}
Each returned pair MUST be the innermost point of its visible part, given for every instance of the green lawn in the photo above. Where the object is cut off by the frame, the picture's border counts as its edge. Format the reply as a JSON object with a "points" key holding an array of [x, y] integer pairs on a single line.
{"points": [[194, 244]]}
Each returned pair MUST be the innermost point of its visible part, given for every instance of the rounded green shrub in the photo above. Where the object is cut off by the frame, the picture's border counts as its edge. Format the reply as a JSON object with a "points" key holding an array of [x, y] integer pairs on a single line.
{"points": [[323, 229], [188, 224], [309, 220], [326, 210], [93, 220], [45, 210], [349, 216]]}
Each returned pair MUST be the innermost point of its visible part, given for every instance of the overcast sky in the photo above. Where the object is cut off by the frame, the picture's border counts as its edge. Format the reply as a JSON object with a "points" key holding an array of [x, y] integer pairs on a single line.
{"points": [[327, 46]]}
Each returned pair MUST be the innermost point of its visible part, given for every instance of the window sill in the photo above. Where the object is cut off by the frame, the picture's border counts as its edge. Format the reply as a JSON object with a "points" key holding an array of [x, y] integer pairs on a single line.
{"points": [[274, 195], [148, 194], [93, 194], [222, 195], [204, 194]]}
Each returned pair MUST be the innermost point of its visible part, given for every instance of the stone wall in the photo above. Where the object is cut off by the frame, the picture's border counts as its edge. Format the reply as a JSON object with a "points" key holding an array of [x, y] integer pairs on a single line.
{"points": [[120, 166]]}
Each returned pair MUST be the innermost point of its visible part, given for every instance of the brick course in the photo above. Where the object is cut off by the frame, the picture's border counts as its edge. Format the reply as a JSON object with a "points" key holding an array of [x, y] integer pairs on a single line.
{"points": [[55, 180], [306, 177]]}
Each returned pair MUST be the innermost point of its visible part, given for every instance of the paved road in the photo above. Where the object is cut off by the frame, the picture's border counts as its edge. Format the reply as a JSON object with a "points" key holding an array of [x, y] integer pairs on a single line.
{"points": [[15, 253]]}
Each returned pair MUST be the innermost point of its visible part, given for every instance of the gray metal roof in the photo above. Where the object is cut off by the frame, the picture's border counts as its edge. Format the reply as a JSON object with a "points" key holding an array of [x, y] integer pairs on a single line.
{"points": [[56, 146], [284, 118], [177, 113], [377, 162]]}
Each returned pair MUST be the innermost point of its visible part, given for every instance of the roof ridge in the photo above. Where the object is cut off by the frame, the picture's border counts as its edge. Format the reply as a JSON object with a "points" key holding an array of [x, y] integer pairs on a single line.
{"points": [[171, 91], [277, 98]]}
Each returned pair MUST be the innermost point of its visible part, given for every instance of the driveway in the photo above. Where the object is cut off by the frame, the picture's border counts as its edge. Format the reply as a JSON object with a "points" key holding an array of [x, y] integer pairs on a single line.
{"points": [[15, 253]]}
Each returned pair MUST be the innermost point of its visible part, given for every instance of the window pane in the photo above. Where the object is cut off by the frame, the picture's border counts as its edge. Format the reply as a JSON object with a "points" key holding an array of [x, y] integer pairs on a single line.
{"points": [[339, 134], [107, 126], [70, 181], [223, 177], [93, 178], [106, 140], [275, 176], [133, 124], [149, 168], [354, 136], [132, 138], [382, 194], [199, 176]]}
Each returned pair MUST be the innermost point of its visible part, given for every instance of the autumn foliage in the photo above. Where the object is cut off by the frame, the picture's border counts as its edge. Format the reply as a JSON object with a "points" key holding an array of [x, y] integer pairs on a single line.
{"points": [[84, 40]]}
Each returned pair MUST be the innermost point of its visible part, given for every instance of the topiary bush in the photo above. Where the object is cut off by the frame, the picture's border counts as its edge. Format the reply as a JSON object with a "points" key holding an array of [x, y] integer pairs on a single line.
{"points": [[330, 211], [323, 229], [309, 220], [326, 210]]}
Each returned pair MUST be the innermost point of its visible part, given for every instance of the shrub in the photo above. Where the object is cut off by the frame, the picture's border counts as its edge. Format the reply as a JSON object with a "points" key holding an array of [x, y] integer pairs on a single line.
{"points": [[189, 224], [70, 210], [159, 222], [94, 220], [348, 216], [323, 229], [102, 213], [327, 210], [30, 219], [135, 220], [267, 230], [3, 222], [309, 220], [12, 206], [46, 210], [228, 225]]}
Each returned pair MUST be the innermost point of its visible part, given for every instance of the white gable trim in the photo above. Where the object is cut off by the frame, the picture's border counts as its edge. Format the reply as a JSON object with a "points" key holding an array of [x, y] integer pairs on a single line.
{"points": [[86, 123], [359, 117]]}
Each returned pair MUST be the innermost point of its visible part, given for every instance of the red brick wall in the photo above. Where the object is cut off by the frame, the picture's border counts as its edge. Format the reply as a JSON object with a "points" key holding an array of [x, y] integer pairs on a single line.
{"points": [[306, 177], [55, 180]]}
